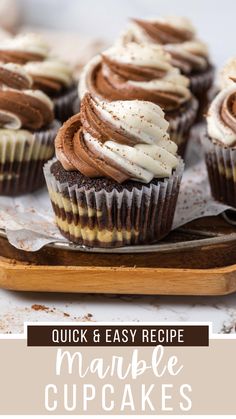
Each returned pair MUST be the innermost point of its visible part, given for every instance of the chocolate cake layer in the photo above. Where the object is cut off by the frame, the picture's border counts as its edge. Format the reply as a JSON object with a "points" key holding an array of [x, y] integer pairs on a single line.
{"points": [[75, 177]]}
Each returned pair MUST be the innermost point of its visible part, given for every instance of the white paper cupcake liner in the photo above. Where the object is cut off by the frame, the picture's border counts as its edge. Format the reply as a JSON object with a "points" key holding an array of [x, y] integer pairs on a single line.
{"points": [[113, 219], [22, 159]]}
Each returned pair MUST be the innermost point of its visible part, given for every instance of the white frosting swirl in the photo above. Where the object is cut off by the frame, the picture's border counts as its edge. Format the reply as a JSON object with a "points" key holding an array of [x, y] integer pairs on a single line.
{"points": [[13, 121], [154, 155], [137, 33], [143, 55], [228, 74], [53, 68], [216, 126]]}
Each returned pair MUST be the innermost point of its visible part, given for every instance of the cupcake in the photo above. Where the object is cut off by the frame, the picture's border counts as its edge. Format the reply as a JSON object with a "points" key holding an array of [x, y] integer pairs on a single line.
{"points": [[228, 74], [143, 72], [189, 54], [116, 178], [54, 78], [27, 132], [50, 75], [220, 146]]}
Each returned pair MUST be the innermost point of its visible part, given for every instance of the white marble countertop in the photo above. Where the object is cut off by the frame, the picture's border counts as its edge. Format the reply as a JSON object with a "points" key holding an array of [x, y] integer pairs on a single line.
{"points": [[17, 307]]}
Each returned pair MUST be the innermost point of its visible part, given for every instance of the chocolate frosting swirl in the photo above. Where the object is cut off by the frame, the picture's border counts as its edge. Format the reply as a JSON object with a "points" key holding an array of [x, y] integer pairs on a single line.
{"points": [[133, 71], [221, 118], [177, 36], [121, 140]]}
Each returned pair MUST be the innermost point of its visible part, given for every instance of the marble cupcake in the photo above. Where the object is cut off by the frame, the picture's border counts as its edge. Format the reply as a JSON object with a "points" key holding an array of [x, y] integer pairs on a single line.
{"points": [[116, 178], [220, 146], [143, 72], [178, 37], [27, 132], [228, 74], [49, 74]]}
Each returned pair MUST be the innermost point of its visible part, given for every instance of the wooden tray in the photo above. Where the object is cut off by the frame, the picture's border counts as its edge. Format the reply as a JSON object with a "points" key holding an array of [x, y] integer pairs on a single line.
{"points": [[199, 259]]}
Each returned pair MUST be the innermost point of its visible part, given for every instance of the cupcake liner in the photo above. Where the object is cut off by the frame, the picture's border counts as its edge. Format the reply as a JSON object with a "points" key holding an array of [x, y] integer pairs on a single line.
{"points": [[221, 167], [200, 85], [64, 105], [114, 219], [22, 160], [181, 124]]}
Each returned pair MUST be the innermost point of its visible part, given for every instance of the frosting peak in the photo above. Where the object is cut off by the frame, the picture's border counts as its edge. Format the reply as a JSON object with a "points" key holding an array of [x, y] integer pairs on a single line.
{"points": [[221, 118], [134, 71], [121, 140]]}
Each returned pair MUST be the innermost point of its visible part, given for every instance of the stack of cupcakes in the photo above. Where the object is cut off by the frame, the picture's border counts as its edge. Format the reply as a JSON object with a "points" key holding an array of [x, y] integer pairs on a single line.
{"points": [[178, 37], [144, 72]]}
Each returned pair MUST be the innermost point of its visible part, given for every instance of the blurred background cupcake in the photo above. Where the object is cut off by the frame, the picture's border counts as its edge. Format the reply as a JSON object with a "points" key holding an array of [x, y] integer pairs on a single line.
{"points": [[144, 72], [220, 146], [50, 75], [27, 131], [189, 54], [116, 178]]}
